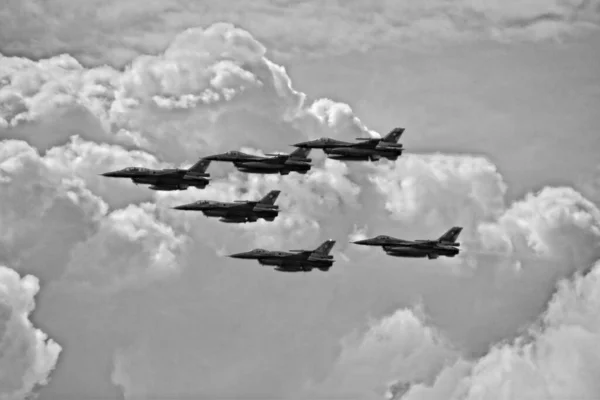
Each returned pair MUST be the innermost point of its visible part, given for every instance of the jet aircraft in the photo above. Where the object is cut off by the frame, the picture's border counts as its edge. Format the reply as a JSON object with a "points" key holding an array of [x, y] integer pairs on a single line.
{"points": [[294, 260], [366, 149], [446, 245], [167, 179], [273, 163], [239, 211]]}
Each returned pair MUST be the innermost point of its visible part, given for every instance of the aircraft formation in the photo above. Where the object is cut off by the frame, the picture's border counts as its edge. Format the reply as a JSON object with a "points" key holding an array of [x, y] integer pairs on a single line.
{"points": [[246, 211]]}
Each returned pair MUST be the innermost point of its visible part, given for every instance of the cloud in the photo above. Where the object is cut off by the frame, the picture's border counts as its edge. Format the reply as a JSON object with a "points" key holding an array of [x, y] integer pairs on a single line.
{"points": [[209, 88], [512, 259], [557, 360], [194, 98], [398, 345], [115, 32], [51, 221], [590, 185], [27, 355]]}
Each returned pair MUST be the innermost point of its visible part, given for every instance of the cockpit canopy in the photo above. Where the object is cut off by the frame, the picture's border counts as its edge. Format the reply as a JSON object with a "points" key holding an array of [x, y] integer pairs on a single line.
{"points": [[259, 251], [135, 169], [385, 237]]}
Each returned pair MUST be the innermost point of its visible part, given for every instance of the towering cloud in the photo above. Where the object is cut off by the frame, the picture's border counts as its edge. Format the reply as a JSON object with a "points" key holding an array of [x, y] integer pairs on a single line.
{"points": [[27, 355], [213, 90], [115, 32], [558, 359]]}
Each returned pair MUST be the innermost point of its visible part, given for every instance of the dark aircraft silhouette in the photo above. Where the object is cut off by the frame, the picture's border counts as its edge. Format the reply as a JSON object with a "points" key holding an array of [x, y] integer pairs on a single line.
{"points": [[239, 211], [278, 163], [367, 149], [446, 245], [294, 260], [167, 179]]}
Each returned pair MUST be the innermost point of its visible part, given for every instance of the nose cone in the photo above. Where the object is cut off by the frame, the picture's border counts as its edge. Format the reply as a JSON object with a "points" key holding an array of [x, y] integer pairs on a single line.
{"points": [[220, 157], [186, 207], [242, 256], [115, 174], [311, 144], [366, 242]]}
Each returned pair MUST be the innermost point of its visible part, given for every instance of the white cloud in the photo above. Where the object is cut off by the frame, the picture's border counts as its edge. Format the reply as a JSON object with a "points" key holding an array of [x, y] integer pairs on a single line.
{"points": [[552, 234], [441, 190], [399, 345], [558, 360], [212, 89], [194, 98], [115, 32], [52, 221], [27, 355]]}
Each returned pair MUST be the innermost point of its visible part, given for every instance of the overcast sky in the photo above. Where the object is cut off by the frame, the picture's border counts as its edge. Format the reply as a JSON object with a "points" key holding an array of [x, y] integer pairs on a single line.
{"points": [[105, 292]]}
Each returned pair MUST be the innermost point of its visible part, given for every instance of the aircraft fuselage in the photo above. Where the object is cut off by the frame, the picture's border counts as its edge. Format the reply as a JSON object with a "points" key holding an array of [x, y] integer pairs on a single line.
{"points": [[258, 167], [174, 181], [360, 153], [420, 251], [241, 214], [293, 264]]}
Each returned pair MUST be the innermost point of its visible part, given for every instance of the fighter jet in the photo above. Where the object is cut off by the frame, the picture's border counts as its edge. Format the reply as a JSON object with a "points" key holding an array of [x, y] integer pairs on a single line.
{"points": [[367, 149], [294, 260], [446, 245], [239, 211], [167, 179], [273, 163]]}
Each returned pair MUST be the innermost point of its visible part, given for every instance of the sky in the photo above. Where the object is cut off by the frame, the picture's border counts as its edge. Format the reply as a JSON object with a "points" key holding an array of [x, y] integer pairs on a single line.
{"points": [[107, 293]]}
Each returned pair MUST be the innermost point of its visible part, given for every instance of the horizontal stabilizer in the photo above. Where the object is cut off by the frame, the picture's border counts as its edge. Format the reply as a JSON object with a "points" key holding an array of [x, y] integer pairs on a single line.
{"points": [[265, 209], [319, 258], [193, 175]]}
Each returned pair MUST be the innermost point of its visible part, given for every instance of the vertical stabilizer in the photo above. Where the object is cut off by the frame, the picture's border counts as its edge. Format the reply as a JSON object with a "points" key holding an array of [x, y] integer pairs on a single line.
{"points": [[451, 235], [393, 136], [200, 167], [300, 153], [325, 248], [270, 198]]}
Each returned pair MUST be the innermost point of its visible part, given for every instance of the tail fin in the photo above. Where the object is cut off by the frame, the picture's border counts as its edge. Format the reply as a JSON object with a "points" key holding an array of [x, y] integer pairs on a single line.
{"points": [[200, 167], [451, 235], [325, 248], [300, 153], [394, 135], [270, 198]]}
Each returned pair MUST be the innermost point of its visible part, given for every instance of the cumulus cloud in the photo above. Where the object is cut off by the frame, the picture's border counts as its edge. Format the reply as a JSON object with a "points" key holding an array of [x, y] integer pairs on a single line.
{"points": [[194, 98], [27, 355], [559, 359], [206, 91], [400, 345], [115, 32], [518, 253], [51, 221]]}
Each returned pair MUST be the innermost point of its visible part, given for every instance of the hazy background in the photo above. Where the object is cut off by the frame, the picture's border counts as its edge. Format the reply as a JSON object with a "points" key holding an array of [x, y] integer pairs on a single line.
{"points": [[499, 102]]}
